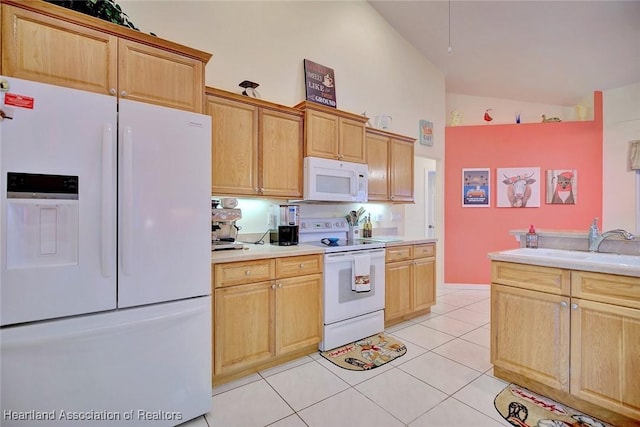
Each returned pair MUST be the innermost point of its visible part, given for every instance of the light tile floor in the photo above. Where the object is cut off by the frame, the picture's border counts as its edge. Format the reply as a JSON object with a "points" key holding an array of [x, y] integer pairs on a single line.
{"points": [[444, 380]]}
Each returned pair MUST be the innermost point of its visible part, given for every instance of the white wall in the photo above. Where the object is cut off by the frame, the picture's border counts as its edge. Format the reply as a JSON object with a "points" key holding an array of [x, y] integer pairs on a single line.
{"points": [[621, 124], [376, 70]]}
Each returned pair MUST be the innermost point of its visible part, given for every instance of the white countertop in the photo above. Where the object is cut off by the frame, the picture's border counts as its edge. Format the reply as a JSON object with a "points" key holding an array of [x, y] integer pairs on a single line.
{"points": [[267, 250], [625, 265]]}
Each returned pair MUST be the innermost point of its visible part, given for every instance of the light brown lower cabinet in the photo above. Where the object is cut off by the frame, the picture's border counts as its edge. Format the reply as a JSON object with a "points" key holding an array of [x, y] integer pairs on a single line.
{"points": [[576, 341], [409, 281], [534, 339], [263, 311]]}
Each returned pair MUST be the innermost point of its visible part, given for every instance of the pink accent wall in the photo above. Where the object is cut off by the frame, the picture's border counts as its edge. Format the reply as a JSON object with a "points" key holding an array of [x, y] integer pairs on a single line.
{"points": [[472, 232]]}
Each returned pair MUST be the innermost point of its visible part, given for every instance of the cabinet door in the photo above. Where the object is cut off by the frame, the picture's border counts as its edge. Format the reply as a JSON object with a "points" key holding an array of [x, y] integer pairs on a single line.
{"points": [[530, 334], [424, 289], [605, 355], [48, 50], [298, 312], [378, 161], [398, 283], [280, 154], [243, 326], [321, 134], [401, 171], [157, 76], [351, 141], [234, 150]]}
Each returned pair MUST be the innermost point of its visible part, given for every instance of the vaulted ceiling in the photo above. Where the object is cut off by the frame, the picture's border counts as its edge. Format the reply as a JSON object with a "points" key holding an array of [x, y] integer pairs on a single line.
{"points": [[550, 52]]}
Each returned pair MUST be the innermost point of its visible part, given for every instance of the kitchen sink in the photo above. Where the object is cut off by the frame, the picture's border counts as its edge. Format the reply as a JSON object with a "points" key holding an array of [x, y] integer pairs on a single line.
{"points": [[617, 259], [577, 256]]}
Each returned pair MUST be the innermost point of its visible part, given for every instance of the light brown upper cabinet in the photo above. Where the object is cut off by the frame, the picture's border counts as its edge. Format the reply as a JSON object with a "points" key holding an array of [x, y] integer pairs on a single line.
{"points": [[50, 44], [333, 134], [390, 160], [256, 146]]}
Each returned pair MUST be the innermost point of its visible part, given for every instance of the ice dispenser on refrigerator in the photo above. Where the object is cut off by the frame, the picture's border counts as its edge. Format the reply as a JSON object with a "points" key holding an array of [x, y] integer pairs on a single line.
{"points": [[42, 220]]}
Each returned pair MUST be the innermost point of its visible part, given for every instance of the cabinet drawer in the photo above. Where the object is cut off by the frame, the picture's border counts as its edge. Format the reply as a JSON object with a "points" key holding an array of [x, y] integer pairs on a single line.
{"points": [[607, 288], [398, 253], [424, 251], [298, 266], [537, 278], [237, 273]]}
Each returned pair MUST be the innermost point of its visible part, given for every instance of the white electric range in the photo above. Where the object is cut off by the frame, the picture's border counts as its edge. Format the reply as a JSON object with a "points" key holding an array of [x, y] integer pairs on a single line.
{"points": [[350, 313]]}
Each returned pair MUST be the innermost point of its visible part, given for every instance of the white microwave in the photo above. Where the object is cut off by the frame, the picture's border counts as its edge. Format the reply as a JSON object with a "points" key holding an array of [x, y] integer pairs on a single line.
{"points": [[329, 180]]}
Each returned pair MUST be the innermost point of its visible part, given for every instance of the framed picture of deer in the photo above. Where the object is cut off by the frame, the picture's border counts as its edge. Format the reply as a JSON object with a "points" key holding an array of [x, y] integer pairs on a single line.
{"points": [[518, 187], [562, 186], [476, 187]]}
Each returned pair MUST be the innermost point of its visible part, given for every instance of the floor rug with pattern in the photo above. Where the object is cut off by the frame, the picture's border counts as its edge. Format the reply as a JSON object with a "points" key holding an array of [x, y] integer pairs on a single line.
{"points": [[524, 408], [367, 353]]}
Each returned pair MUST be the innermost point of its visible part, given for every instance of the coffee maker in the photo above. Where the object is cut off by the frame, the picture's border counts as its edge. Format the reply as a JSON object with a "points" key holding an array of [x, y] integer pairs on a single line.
{"points": [[224, 231], [286, 234]]}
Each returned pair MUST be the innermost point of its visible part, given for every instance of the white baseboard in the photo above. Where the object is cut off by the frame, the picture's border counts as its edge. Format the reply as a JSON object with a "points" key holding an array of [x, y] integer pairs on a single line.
{"points": [[465, 286]]}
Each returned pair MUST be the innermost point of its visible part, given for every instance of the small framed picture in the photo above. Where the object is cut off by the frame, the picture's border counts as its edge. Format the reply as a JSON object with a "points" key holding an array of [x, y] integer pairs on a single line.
{"points": [[476, 187], [518, 187], [562, 187], [320, 84], [426, 132]]}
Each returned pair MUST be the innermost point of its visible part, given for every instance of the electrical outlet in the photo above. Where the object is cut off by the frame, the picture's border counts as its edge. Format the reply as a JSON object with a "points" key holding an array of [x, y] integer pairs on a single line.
{"points": [[380, 217], [396, 217]]}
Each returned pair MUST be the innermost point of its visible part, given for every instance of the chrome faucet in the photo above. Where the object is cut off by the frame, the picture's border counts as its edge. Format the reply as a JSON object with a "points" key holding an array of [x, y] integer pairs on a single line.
{"points": [[595, 238]]}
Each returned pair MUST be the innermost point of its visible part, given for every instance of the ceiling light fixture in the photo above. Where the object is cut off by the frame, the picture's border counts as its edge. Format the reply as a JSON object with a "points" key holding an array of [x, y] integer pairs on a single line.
{"points": [[449, 48]]}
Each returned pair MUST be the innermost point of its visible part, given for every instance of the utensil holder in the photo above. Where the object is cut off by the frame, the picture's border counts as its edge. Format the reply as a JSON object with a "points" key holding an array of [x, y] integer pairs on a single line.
{"points": [[351, 233]]}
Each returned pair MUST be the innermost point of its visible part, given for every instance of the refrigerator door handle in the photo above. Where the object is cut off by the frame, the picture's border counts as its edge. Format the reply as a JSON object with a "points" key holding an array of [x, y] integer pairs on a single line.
{"points": [[127, 200], [107, 239]]}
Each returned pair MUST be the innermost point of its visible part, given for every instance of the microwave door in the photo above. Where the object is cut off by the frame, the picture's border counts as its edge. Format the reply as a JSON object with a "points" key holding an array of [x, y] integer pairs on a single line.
{"points": [[333, 184]]}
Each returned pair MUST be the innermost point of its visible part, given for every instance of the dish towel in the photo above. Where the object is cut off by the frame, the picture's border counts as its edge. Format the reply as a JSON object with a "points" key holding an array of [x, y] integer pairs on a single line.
{"points": [[361, 273]]}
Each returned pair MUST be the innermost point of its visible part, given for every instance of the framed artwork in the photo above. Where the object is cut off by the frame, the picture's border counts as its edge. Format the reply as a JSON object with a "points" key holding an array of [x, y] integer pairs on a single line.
{"points": [[518, 187], [476, 187], [562, 186], [426, 132], [320, 84]]}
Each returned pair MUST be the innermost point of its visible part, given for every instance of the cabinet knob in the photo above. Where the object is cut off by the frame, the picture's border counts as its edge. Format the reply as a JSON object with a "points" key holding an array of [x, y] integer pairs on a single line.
{"points": [[123, 93], [574, 306], [279, 285], [301, 265], [113, 91], [563, 304], [247, 273], [273, 286]]}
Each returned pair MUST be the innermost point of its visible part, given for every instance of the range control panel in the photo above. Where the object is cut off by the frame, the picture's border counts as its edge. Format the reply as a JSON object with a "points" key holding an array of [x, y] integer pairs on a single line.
{"points": [[315, 225]]}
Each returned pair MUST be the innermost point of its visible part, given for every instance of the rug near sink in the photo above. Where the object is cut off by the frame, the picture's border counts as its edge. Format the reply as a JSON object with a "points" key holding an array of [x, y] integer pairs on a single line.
{"points": [[524, 408], [365, 354]]}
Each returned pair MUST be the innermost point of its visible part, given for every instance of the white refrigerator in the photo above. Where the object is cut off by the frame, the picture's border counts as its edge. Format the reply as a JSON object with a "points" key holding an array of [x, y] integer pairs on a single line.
{"points": [[105, 259]]}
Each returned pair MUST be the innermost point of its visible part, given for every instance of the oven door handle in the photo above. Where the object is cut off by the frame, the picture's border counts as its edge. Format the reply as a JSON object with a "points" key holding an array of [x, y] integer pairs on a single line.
{"points": [[349, 256]]}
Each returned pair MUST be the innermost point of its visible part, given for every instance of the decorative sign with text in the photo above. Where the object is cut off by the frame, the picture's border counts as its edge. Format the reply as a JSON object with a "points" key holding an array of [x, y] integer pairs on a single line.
{"points": [[320, 84]]}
